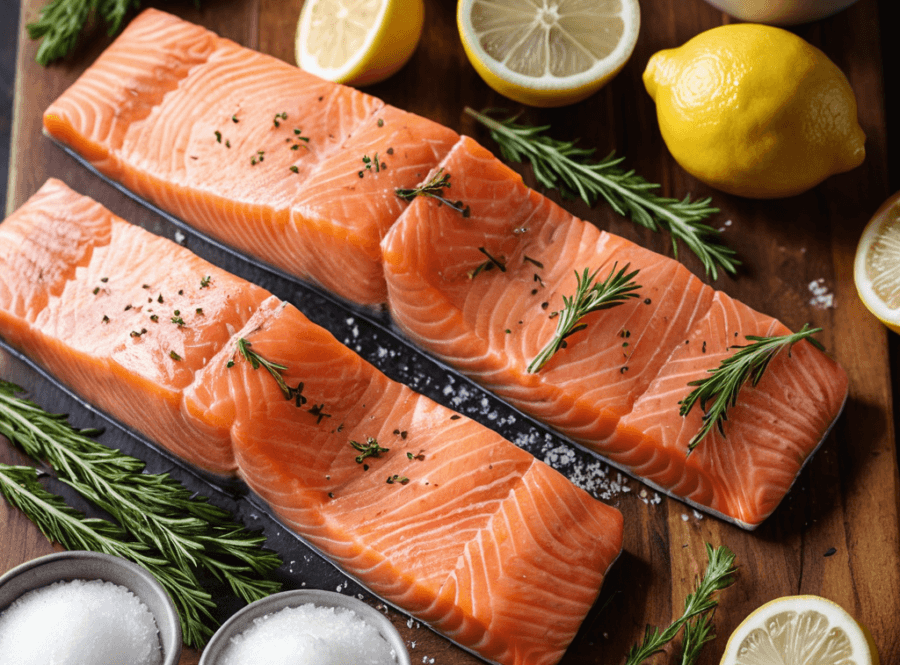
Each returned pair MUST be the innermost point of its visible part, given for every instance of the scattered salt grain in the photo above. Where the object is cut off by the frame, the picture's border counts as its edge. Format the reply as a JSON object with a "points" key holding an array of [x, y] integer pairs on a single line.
{"points": [[92, 621], [309, 635], [822, 297]]}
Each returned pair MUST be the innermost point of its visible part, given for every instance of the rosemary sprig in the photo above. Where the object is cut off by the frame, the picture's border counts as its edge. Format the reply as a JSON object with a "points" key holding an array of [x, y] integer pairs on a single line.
{"points": [[156, 510], [725, 381], [434, 188], [719, 575], [74, 531], [590, 296], [562, 165], [274, 369]]}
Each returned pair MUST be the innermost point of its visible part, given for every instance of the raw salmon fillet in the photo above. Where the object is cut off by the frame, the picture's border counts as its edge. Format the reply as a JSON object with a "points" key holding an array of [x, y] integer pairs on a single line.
{"points": [[249, 150], [451, 523], [615, 388]]}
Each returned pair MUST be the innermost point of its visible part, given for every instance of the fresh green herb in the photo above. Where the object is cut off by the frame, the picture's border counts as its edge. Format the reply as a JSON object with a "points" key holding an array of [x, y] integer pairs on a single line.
{"points": [[234, 118], [278, 118], [138, 333], [420, 456], [490, 264], [105, 319], [205, 282], [719, 575], [174, 356], [258, 157], [178, 321], [317, 411], [562, 165], [725, 381], [590, 296], [293, 169], [368, 449], [533, 261], [402, 480], [161, 524], [218, 136], [274, 369], [96, 290], [434, 188]]}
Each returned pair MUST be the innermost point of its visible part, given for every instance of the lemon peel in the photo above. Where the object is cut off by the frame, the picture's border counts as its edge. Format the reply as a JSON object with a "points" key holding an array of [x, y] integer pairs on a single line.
{"points": [[548, 53], [876, 267], [357, 43], [754, 110]]}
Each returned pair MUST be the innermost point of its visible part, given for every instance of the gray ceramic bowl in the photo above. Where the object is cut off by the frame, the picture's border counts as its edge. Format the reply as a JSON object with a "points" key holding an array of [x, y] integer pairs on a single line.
{"points": [[65, 566], [781, 12], [243, 619]]}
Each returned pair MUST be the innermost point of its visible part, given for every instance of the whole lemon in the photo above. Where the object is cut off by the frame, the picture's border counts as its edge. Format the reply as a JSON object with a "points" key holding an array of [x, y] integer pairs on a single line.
{"points": [[754, 110]]}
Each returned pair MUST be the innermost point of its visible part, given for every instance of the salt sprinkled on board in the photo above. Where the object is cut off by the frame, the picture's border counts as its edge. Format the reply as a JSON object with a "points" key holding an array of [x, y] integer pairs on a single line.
{"points": [[94, 622], [309, 635], [822, 297]]}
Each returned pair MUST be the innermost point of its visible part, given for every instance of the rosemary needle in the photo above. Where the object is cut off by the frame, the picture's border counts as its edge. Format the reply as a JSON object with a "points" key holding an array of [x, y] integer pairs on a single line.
{"points": [[74, 531], [434, 189], [719, 575], [154, 510], [725, 381], [590, 296], [562, 165]]}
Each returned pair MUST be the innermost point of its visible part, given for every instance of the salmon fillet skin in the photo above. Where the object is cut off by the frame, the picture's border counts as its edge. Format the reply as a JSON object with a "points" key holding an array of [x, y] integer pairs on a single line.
{"points": [[446, 520], [249, 150], [616, 386]]}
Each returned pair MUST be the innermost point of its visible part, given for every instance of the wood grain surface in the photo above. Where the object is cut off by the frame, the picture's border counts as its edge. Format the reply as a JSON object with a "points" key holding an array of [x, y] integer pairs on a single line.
{"points": [[847, 499]]}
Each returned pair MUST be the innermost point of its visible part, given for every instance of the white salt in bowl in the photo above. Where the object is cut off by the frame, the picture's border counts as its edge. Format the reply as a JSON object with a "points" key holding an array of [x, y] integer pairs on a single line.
{"points": [[82, 565], [244, 619]]}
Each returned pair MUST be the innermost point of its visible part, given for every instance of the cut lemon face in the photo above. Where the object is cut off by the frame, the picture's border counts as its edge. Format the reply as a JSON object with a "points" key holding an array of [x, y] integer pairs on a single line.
{"points": [[876, 270], [548, 52], [800, 630], [357, 42]]}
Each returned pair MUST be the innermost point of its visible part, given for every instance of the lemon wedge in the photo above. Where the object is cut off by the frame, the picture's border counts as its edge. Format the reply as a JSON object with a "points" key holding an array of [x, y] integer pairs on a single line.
{"points": [[802, 630], [357, 42], [548, 52], [876, 269]]}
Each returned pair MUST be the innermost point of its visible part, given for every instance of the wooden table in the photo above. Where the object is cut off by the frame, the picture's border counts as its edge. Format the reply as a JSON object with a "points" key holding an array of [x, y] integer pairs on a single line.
{"points": [[836, 534]]}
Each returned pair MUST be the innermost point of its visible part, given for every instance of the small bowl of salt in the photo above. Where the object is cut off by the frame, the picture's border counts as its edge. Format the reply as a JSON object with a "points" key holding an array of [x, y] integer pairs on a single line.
{"points": [[78, 607], [307, 627]]}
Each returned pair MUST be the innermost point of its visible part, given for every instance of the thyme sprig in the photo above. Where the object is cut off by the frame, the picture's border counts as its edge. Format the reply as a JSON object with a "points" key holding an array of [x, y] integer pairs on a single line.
{"points": [[434, 189], [156, 516], [257, 361], [590, 296], [719, 575], [722, 387], [564, 166]]}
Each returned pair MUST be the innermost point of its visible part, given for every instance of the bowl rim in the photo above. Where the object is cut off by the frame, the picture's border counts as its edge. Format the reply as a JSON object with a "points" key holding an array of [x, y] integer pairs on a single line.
{"points": [[87, 565], [242, 619]]}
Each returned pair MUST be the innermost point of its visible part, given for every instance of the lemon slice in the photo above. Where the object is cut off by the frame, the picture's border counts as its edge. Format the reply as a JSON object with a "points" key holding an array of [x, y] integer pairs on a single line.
{"points": [[799, 630], [357, 42], [876, 269], [548, 52]]}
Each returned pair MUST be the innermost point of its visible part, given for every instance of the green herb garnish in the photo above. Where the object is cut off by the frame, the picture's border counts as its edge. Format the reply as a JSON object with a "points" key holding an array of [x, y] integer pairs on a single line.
{"points": [[274, 369], [561, 165], [370, 448], [697, 631], [434, 189], [160, 523], [725, 381], [590, 296]]}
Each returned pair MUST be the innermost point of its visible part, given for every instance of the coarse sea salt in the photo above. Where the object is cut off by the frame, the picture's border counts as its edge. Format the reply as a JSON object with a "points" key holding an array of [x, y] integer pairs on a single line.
{"points": [[309, 635], [78, 622]]}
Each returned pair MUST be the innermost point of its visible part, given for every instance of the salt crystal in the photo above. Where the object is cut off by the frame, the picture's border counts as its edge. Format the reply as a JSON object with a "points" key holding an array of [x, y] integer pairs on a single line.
{"points": [[94, 622], [309, 635]]}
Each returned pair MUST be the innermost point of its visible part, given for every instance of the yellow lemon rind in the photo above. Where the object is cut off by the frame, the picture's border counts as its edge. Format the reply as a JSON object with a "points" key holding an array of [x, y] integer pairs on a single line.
{"points": [[889, 317], [864, 652], [548, 91]]}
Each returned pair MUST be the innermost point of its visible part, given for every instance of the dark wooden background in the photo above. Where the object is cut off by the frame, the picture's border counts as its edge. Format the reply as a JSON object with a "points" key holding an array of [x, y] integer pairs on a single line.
{"points": [[846, 500]]}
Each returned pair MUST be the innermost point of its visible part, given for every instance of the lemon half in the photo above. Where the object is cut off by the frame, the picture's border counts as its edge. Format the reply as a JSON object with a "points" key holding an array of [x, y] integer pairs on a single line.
{"points": [[357, 42], [548, 52], [876, 269], [801, 630]]}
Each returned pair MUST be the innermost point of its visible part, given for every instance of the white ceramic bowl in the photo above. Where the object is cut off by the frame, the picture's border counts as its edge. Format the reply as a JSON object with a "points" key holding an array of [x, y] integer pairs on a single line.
{"points": [[780, 12], [81, 565], [244, 618]]}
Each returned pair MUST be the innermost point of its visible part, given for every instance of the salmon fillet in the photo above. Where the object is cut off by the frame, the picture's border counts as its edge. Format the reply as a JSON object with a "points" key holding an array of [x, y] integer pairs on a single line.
{"points": [[615, 388], [249, 150], [450, 522]]}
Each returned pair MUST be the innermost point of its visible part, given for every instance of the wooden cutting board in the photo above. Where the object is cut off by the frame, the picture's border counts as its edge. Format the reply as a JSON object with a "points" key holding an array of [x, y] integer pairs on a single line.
{"points": [[837, 532]]}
